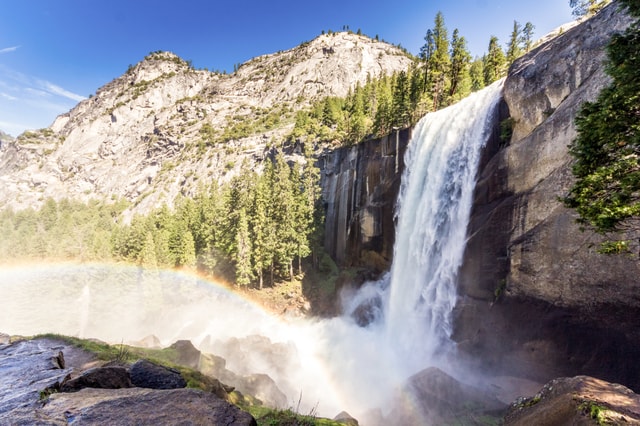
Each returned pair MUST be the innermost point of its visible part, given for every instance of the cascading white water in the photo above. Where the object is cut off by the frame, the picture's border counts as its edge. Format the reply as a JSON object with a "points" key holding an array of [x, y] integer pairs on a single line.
{"points": [[335, 364], [433, 211]]}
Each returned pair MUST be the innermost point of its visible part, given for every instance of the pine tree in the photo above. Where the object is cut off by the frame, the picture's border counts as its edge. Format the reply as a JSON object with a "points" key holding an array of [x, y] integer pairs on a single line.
{"points": [[401, 103], [527, 36], [313, 198], [426, 52], [262, 225], [383, 117], [460, 62], [243, 255], [513, 48], [416, 93], [494, 62], [283, 214], [439, 62], [476, 73], [148, 257]]}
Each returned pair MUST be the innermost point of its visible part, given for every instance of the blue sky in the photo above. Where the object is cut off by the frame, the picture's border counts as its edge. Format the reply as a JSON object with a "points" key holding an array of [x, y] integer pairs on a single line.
{"points": [[55, 53]]}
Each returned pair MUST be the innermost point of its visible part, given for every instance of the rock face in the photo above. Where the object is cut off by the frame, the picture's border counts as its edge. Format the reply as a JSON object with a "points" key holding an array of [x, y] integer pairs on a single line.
{"points": [[159, 130], [537, 299], [360, 187], [28, 368], [580, 400]]}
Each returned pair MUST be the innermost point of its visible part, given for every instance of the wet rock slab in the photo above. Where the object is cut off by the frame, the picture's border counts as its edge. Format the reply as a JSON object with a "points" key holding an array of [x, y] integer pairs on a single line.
{"points": [[141, 406], [27, 369]]}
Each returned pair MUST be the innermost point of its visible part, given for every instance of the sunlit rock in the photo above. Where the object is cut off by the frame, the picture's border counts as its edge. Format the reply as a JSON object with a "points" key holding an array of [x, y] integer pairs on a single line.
{"points": [[580, 400]]}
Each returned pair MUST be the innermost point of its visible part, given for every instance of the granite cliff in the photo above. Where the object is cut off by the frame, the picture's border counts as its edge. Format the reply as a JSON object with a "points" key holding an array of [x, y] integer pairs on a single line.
{"points": [[537, 298], [360, 185]]}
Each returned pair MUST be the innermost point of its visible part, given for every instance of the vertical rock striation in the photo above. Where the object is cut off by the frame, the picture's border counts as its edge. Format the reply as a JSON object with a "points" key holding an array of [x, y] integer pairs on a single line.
{"points": [[360, 186]]}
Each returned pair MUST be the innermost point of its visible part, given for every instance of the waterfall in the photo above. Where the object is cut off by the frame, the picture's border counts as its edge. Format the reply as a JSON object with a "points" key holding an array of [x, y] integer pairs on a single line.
{"points": [[336, 363], [433, 210]]}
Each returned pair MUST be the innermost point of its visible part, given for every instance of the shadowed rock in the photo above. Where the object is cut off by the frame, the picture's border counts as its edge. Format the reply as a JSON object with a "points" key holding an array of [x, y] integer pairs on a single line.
{"points": [[111, 377], [146, 374], [187, 354], [433, 397]]}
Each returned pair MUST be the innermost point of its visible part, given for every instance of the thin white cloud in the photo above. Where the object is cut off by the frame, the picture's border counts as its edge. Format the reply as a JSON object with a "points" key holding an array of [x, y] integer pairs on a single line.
{"points": [[57, 90], [8, 96], [9, 49], [29, 102]]}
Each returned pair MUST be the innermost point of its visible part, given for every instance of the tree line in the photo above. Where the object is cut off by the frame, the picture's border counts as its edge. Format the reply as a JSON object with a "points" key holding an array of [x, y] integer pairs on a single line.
{"points": [[442, 74], [255, 228]]}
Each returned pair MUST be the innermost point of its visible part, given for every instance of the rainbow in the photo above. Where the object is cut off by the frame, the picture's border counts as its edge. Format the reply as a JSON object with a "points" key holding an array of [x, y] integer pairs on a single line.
{"points": [[333, 363]]}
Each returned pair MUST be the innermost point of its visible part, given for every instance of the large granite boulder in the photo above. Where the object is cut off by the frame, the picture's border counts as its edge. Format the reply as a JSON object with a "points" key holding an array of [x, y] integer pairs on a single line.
{"points": [[537, 299], [141, 406], [145, 374], [108, 377], [186, 354], [432, 397]]}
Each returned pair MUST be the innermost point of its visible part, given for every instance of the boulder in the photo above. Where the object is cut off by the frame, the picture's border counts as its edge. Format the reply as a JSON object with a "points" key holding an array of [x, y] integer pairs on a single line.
{"points": [[186, 353], [264, 388], [580, 400], [146, 374], [109, 377], [433, 397], [346, 418], [142, 407], [260, 386], [29, 385]]}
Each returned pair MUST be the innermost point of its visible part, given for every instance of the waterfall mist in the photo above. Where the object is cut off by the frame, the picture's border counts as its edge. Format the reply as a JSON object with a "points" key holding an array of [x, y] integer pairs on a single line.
{"points": [[334, 365]]}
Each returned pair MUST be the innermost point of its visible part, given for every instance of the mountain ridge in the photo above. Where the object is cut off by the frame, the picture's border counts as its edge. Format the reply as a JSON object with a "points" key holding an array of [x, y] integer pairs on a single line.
{"points": [[162, 128]]}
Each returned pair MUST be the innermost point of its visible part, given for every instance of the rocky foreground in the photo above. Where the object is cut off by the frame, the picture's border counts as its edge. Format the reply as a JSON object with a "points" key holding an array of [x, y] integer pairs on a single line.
{"points": [[48, 381], [51, 382]]}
